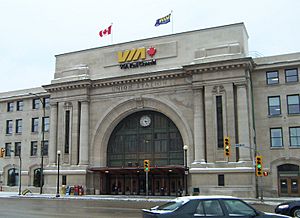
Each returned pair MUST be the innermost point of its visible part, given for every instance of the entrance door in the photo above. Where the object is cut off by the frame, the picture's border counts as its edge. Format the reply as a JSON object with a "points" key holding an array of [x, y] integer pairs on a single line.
{"points": [[289, 186], [135, 184], [288, 180]]}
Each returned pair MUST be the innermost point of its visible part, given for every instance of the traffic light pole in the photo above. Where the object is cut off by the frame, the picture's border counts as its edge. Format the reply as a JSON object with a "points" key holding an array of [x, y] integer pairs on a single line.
{"points": [[147, 183], [261, 189]]}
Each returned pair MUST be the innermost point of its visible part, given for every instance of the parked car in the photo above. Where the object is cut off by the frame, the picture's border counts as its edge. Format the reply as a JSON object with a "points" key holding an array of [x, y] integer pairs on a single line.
{"points": [[206, 206], [291, 208]]}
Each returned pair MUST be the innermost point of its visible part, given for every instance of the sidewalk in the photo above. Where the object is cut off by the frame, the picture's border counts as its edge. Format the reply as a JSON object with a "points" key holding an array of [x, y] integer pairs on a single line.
{"points": [[266, 200]]}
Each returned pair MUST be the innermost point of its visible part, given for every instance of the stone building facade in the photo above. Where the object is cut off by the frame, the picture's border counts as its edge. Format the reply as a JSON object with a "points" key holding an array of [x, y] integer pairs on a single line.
{"points": [[170, 100]]}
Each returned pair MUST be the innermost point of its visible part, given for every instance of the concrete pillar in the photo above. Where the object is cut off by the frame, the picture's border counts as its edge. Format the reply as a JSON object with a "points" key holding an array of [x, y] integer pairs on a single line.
{"points": [[84, 134], [53, 133], [243, 122], [199, 135]]}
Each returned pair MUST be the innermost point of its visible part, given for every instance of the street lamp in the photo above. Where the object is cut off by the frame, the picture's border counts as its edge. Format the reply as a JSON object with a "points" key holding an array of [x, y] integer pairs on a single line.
{"points": [[186, 170], [42, 143], [58, 160]]}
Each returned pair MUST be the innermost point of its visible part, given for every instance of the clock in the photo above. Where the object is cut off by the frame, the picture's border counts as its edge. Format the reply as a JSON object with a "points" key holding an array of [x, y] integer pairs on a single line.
{"points": [[145, 121]]}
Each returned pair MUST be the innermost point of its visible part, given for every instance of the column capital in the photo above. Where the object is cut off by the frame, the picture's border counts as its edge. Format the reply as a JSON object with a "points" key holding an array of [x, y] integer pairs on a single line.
{"points": [[240, 84], [84, 101], [53, 103]]}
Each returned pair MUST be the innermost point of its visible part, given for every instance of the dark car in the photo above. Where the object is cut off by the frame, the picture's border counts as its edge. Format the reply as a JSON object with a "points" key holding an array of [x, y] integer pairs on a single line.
{"points": [[291, 208], [206, 206]]}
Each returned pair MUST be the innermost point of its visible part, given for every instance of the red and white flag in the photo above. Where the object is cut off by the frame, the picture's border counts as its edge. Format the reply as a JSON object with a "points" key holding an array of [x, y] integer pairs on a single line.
{"points": [[105, 32]]}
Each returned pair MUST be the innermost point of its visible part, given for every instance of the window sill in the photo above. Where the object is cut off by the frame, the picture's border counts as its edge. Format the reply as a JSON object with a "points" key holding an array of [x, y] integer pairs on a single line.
{"points": [[295, 114], [274, 116], [277, 148], [294, 147]]}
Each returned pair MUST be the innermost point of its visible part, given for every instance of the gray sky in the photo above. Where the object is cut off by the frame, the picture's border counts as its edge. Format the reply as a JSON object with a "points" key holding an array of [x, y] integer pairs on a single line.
{"points": [[33, 31]]}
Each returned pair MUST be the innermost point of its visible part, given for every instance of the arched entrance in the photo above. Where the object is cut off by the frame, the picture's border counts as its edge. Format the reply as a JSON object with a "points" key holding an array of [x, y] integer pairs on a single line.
{"points": [[144, 135], [288, 180]]}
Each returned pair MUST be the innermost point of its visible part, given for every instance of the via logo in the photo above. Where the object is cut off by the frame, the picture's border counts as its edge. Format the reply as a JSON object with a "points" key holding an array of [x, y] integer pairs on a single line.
{"points": [[135, 54]]}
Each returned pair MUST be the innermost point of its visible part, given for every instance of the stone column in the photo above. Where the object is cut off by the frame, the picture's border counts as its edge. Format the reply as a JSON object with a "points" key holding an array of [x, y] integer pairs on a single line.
{"points": [[84, 134], [199, 141], [243, 122], [53, 133]]}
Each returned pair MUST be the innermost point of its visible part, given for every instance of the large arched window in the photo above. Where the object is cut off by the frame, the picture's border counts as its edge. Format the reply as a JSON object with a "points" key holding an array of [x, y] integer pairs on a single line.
{"points": [[12, 177], [145, 135], [37, 177], [288, 169]]}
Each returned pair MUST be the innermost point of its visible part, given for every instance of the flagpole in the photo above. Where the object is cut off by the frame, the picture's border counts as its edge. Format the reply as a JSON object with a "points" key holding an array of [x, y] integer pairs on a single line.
{"points": [[112, 34], [172, 21]]}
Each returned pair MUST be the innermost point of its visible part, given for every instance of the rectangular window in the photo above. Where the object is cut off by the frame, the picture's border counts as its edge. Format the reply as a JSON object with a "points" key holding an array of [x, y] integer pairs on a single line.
{"points": [[291, 75], [9, 126], [7, 149], [293, 104], [295, 136], [221, 180], [33, 149], [19, 126], [274, 105], [35, 124], [46, 124], [36, 103], [10, 107], [219, 108], [17, 149], [45, 148], [276, 137], [64, 180], [67, 132], [46, 101], [20, 105], [272, 77]]}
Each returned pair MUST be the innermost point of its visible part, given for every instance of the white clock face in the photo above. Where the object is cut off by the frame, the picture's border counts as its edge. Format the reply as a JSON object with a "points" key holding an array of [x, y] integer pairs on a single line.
{"points": [[145, 121]]}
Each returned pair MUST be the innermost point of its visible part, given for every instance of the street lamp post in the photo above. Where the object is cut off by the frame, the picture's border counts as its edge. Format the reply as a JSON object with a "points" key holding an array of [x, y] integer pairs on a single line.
{"points": [[58, 161], [20, 182], [42, 143], [185, 148]]}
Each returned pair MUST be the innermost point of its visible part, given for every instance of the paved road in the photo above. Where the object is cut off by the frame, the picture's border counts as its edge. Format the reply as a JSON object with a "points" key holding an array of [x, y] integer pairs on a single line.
{"points": [[46, 208]]}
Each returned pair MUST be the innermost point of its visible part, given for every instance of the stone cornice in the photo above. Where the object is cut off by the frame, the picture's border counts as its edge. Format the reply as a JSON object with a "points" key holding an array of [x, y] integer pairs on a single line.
{"points": [[243, 63], [88, 83], [68, 86], [144, 78]]}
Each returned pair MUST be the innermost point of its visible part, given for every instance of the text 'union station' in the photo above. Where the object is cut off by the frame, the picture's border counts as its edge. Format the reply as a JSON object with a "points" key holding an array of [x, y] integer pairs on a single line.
{"points": [[168, 102]]}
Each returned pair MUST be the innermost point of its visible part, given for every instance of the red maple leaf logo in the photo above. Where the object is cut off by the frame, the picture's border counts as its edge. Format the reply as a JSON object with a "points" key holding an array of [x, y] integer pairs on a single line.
{"points": [[151, 51]]}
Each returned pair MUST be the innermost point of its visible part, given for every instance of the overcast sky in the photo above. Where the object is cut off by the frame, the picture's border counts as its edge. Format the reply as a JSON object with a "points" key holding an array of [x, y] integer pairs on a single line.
{"points": [[32, 32]]}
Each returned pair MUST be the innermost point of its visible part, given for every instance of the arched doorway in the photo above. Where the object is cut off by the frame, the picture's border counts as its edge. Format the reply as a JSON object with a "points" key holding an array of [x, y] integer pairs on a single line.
{"points": [[288, 180], [144, 135]]}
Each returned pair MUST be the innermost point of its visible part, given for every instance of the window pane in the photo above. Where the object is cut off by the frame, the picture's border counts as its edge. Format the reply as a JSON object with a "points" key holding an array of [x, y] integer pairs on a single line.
{"points": [[276, 137], [295, 136], [33, 151], [212, 208], [293, 99], [293, 104], [274, 105], [291, 75], [238, 208], [272, 77]]}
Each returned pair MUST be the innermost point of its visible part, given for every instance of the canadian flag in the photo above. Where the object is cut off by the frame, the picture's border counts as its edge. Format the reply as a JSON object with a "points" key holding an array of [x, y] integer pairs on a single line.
{"points": [[105, 32]]}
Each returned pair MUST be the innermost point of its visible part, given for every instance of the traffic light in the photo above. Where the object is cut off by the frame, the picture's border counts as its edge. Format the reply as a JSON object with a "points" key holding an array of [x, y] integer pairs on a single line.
{"points": [[227, 146], [146, 165], [2, 152], [266, 173], [258, 165]]}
